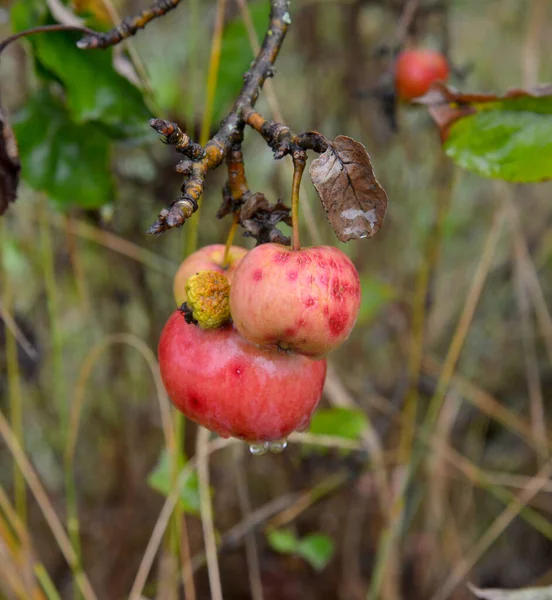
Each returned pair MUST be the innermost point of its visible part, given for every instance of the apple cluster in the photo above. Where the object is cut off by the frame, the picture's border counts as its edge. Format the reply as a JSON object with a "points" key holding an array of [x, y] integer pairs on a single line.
{"points": [[258, 376]]}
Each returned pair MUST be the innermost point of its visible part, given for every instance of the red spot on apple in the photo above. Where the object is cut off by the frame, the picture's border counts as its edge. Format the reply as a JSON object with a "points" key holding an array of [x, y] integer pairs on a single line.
{"points": [[324, 279], [290, 332], [310, 301], [303, 259], [257, 275], [301, 323], [195, 402], [281, 257], [292, 275], [337, 323]]}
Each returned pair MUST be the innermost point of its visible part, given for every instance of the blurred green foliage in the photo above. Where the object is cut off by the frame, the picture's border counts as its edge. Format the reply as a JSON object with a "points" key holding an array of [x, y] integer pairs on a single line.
{"points": [[342, 422], [81, 109], [316, 548], [160, 479]]}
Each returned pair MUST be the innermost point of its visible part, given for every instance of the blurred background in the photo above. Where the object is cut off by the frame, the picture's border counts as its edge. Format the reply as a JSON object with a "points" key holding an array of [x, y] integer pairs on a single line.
{"points": [[435, 414]]}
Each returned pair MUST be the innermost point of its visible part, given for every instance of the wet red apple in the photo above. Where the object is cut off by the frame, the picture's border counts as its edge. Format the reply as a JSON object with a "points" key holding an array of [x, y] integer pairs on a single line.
{"points": [[305, 301], [228, 385], [208, 258], [417, 69]]}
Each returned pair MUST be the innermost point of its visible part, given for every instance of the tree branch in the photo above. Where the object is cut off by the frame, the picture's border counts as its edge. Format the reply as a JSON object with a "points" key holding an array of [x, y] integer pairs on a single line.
{"points": [[42, 29], [128, 27], [231, 129]]}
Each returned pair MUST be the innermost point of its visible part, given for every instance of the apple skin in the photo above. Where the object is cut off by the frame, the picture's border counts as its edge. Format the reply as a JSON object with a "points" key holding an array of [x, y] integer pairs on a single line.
{"points": [[417, 69], [305, 301], [208, 258], [224, 383]]}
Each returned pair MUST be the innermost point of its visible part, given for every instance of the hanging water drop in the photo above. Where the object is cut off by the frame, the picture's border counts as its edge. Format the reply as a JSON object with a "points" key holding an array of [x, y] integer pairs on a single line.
{"points": [[259, 448], [277, 446]]}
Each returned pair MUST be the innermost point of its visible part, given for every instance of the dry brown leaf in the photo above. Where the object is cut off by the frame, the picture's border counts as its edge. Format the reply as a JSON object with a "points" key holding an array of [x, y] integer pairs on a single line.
{"points": [[354, 201], [9, 165]]}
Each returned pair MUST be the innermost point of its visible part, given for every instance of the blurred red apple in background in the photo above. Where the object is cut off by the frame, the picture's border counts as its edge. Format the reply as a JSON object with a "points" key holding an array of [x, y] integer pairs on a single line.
{"points": [[416, 70]]}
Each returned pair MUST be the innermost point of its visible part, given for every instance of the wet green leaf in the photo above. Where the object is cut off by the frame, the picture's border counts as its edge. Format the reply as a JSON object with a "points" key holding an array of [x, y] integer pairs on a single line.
{"points": [[67, 161], [236, 57], [505, 136], [510, 142], [160, 479], [95, 91], [342, 422], [317, 549], [375, 295]]}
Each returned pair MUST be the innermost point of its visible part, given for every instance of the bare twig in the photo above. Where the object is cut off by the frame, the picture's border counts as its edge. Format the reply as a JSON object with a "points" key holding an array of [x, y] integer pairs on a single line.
{"points": [[251, 550], [128, 27], [494, 531], [46, 507], [42, 29], [207, 513], [231, 129]]}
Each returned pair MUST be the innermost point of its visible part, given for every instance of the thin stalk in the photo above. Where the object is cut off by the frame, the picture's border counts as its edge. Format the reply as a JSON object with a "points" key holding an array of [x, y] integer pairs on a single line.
{"points": [[46, 583], [59, 383], [299, 162], [432, 413], [76, 263], [14, 384], [46, 508], [230, 240], [178, 539], [212, 77]]}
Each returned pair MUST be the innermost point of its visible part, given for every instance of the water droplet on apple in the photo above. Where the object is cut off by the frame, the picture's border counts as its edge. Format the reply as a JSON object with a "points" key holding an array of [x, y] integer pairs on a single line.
{"points": [[259, 448], [277, 446]]}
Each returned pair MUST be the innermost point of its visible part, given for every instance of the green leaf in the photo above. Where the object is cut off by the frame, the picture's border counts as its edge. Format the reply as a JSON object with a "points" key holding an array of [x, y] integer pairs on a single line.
{"points": [[160, 479], [504, 137], [509, 141], [95, 91], [317, 549], [342, 422], [236, 57], [69, 162], [283, 541], [25, 14], [375, 295]]}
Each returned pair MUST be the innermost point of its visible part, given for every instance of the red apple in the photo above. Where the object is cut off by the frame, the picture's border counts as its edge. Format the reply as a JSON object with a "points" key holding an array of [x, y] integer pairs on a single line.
{"points": [[224, 383], [305, 301], [416, 70], [208, 258]]}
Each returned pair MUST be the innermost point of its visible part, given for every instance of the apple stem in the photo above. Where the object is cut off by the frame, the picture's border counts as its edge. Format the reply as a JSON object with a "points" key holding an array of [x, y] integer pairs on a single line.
{"points": [[230, 240], [299, 162]]}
